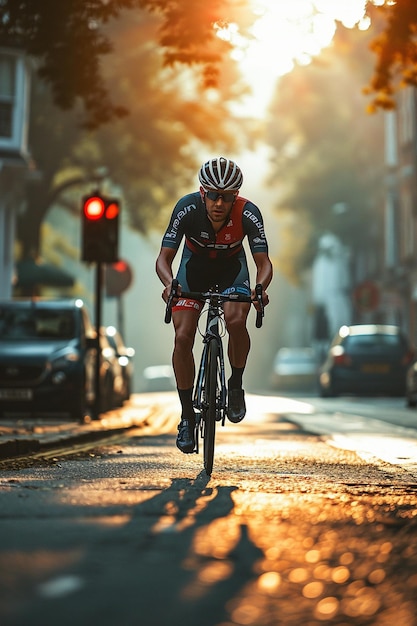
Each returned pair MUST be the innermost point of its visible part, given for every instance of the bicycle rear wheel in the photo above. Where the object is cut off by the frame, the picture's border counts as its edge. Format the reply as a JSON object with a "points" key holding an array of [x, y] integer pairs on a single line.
{"points": [[212, 388]]}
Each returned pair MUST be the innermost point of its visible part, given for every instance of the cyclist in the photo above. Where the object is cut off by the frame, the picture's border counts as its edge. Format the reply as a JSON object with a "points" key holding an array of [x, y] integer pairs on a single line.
{"points": [[214, 222]]}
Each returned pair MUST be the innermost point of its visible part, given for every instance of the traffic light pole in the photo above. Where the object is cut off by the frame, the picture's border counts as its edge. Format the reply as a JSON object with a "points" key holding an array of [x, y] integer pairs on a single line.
{"points": [[99, 288], [100, 230]]}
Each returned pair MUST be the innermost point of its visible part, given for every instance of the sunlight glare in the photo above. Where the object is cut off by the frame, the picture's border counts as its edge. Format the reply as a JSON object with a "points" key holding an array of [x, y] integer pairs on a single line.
{"points": [[286, 33]]}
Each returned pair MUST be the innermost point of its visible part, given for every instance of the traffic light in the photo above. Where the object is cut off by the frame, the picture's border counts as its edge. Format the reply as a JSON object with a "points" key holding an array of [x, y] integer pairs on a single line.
{"points": [[100, 229]]}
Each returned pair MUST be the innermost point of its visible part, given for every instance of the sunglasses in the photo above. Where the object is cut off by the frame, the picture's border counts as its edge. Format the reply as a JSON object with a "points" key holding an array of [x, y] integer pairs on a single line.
{"points": [[226, 196]]}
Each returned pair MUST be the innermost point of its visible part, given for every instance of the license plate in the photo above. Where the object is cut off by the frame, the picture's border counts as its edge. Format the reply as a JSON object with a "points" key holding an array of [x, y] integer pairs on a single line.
{"points": [[16, 394], [375, 368]]}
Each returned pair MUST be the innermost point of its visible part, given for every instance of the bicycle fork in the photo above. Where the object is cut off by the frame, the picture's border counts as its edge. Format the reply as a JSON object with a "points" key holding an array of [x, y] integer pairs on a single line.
{"points": [[200, 401]]}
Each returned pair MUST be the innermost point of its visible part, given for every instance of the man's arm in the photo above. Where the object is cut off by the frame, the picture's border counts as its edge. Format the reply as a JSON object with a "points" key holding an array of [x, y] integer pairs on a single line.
{"points": [[264, 273], [263, 268], [164, 269]]}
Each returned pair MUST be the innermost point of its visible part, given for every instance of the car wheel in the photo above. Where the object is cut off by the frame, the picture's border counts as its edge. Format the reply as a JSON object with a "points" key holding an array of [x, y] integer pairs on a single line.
{"points": [[326, 392], [323, 392], [128, 391], [107, 395], [411, 402], [78, 410], [329, 393]]}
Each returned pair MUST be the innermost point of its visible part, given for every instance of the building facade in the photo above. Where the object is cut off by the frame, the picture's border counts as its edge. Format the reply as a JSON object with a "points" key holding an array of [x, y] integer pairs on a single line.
{"points": [[398, 274], [14, 156]]}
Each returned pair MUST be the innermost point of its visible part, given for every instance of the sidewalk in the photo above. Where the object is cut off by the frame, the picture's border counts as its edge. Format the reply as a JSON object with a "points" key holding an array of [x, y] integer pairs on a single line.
{"points": [[29, 435]]}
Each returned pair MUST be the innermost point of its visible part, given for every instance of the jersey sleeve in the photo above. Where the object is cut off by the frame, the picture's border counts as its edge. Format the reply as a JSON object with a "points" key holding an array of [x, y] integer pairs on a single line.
{"points": [[175, 231], [253, 227]]}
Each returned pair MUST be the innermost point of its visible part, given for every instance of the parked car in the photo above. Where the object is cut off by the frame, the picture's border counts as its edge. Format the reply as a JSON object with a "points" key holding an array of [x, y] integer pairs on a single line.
{"points": [[47, 358], [294, 368], [159, 378], [366, 358], [124, 355], [115, 394], [411, 385]]}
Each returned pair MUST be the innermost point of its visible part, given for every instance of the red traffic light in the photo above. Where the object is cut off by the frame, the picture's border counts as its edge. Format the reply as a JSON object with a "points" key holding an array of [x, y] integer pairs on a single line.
{"points": [[100, 228], [112, 210], [94, 208]]}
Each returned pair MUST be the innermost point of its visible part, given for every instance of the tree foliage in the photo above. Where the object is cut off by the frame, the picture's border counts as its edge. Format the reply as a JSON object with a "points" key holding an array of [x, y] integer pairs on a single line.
{"points": [[68, 38], [395, 48], [327, 151], [157, 91], [151, 154]]}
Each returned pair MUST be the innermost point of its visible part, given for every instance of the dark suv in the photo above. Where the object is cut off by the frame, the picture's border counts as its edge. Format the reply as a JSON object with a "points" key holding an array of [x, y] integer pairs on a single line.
{"points": [[47, 356], [366, 358]]}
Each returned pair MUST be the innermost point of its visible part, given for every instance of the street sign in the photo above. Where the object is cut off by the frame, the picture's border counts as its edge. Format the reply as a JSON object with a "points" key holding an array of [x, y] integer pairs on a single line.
{"points": [[366, 296], [118, 278]]}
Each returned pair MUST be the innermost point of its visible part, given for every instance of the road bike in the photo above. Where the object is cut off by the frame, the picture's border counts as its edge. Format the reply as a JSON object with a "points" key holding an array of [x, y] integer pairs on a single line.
{"points": [[210, 394]]}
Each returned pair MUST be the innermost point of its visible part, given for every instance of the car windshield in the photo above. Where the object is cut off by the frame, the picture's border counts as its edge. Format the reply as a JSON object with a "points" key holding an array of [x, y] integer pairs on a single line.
{"points": [[374, 343], [35, 324]]}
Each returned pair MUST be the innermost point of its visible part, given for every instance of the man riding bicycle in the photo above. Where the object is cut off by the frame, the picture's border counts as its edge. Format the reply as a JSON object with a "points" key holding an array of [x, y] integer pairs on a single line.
{"points": [[214, 222]]}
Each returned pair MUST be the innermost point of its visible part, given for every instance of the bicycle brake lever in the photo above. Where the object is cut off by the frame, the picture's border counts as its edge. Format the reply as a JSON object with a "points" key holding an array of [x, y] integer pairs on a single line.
{"points": [[172, 295], [259, 314]]}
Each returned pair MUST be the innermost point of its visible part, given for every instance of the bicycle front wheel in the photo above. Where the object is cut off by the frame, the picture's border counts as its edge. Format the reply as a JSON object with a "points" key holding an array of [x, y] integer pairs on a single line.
{"points": [[212, 394]]}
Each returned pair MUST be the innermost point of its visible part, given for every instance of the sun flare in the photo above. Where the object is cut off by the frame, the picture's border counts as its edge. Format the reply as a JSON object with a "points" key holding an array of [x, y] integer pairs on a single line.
{"points": [[286, 33]]}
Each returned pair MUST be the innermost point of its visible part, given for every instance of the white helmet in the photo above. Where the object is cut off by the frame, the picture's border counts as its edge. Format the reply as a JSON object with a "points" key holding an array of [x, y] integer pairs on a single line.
{"points": [[220, 173]]}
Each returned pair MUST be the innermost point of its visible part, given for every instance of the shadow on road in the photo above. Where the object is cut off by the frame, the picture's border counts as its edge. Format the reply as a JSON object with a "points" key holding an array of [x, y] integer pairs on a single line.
{"points": [[180, 559]]}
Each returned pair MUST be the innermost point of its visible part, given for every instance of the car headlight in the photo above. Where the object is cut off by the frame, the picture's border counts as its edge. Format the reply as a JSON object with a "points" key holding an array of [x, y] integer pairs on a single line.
{"points": [[65, 359], [60, 365]]}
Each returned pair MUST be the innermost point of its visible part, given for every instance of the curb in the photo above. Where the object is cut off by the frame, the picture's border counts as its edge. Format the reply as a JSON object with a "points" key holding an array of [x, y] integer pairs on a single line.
{"points": [[34, 437], [18, 447], [13, 448]]}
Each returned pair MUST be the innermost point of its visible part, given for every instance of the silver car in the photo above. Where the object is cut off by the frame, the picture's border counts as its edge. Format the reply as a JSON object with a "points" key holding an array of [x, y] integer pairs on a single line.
{"points": [[295, 368]]}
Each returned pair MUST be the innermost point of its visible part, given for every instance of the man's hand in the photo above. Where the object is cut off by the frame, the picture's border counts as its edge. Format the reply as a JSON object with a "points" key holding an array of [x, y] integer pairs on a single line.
{"points": [[265, 299], [168, 290]]}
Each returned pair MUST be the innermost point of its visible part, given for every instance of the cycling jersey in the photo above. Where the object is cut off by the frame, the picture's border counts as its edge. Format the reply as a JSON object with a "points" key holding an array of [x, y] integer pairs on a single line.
{"points": [[211, 258], [189, 219]]}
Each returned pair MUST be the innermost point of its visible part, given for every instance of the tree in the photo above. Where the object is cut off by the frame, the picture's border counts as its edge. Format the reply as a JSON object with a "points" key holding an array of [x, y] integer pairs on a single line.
{"points": [[68, 38], [396, 52], [327, 162], [150, 154]]}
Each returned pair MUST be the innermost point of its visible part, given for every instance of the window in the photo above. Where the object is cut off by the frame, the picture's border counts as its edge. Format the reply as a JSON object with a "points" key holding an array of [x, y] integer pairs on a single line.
{"points": [[7, 95], [406, 115], [14, 86]]}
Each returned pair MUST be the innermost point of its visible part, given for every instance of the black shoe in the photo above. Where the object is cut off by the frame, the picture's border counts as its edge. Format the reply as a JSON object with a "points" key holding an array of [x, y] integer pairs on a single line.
{"points": [[185, 437], [236, 407]]}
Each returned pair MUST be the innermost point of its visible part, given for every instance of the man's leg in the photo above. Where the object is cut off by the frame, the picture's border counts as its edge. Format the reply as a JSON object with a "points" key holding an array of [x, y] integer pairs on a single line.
{"points": [[238, 349], [185, 325]]}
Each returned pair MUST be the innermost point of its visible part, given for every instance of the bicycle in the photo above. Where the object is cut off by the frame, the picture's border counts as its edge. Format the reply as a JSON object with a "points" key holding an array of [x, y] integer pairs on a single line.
{"points": [[210, 395]]}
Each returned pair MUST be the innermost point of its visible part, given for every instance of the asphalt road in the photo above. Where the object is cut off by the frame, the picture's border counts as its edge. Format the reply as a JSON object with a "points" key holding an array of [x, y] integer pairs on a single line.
{"points": [[291, 528]]}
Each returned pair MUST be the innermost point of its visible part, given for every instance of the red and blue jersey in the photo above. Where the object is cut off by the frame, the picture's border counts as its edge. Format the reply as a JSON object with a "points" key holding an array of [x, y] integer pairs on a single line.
{"points": [[189, 219], [214, 259]]}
